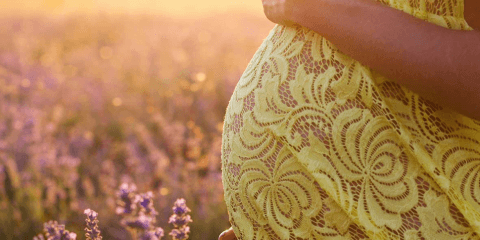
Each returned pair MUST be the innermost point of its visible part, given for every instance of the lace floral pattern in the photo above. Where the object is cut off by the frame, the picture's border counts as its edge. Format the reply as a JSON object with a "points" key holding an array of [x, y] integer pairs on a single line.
{"points": [[317, 146]]}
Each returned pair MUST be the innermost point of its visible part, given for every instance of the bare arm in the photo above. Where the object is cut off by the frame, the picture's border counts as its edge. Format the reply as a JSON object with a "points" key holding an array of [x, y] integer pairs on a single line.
{"points": [[439, 64], [472, 13]]}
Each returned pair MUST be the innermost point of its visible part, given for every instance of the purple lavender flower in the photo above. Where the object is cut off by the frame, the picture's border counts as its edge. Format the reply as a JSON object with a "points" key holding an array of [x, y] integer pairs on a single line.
{"points": [[39, 237], [54, 231], [180, 207], [127, 202], [180, 234], [157, 234], [146, 204], [179, 221], [142, 222], [93, 233]]}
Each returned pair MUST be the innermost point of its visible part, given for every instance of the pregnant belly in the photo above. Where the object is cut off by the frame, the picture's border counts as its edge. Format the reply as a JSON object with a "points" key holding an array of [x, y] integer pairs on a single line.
{"points": [[296, 84], [300, 93], [294, 68], [283, 112]]}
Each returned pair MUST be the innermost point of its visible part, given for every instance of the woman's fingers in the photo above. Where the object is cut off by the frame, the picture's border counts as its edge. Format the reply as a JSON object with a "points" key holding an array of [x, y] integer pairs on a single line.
{"points": [[227, 235], [278, 11]]}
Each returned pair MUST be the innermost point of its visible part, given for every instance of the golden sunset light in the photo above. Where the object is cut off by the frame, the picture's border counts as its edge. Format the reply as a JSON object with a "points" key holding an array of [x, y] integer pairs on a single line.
{"points": [[217, 119], [112, 114], [183, 8]]}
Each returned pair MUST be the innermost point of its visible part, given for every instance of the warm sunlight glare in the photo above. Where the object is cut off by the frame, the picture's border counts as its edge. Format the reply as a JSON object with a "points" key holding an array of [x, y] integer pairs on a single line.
{"points": [[183, 8]]}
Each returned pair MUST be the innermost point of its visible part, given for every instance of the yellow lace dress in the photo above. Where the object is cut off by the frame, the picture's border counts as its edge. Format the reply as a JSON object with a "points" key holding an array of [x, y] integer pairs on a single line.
{"points": [[317, 146]]}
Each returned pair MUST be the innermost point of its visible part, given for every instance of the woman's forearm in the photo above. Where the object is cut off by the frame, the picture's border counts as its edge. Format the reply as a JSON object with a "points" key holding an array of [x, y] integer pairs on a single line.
{"points": [[439, 64]]}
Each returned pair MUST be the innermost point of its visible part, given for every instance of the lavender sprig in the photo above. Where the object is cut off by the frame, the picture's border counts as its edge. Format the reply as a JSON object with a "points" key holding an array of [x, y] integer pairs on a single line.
{"points": [[93, 233], [127, 199], [54, 231], [142, 222], [146, 204], [156, 234], [180, 207], [180, 219], [39, 237], [180, 234]]}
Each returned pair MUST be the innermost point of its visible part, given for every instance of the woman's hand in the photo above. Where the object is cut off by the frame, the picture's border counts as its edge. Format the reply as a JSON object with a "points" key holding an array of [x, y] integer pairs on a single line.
{"points": [[280, 11], [227, 235]]}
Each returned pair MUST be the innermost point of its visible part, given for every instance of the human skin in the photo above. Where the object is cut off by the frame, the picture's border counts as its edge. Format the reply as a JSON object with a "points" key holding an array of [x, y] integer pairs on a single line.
{"points": [[227, 235], [439, 64]]}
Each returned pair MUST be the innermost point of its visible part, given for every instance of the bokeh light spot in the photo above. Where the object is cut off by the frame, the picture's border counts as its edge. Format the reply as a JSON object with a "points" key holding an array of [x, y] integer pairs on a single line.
{"points": [[117, 102], [201, 76], [164, 191], [88, 135]]}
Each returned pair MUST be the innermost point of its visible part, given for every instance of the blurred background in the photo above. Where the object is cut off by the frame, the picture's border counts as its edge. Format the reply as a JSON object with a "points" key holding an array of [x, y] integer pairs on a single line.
{"points": [[96, 93], [178, 8]]}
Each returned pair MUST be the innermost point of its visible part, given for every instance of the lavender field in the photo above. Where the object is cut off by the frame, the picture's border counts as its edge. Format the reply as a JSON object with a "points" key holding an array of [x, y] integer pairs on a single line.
{"points": [[88, 103]]}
